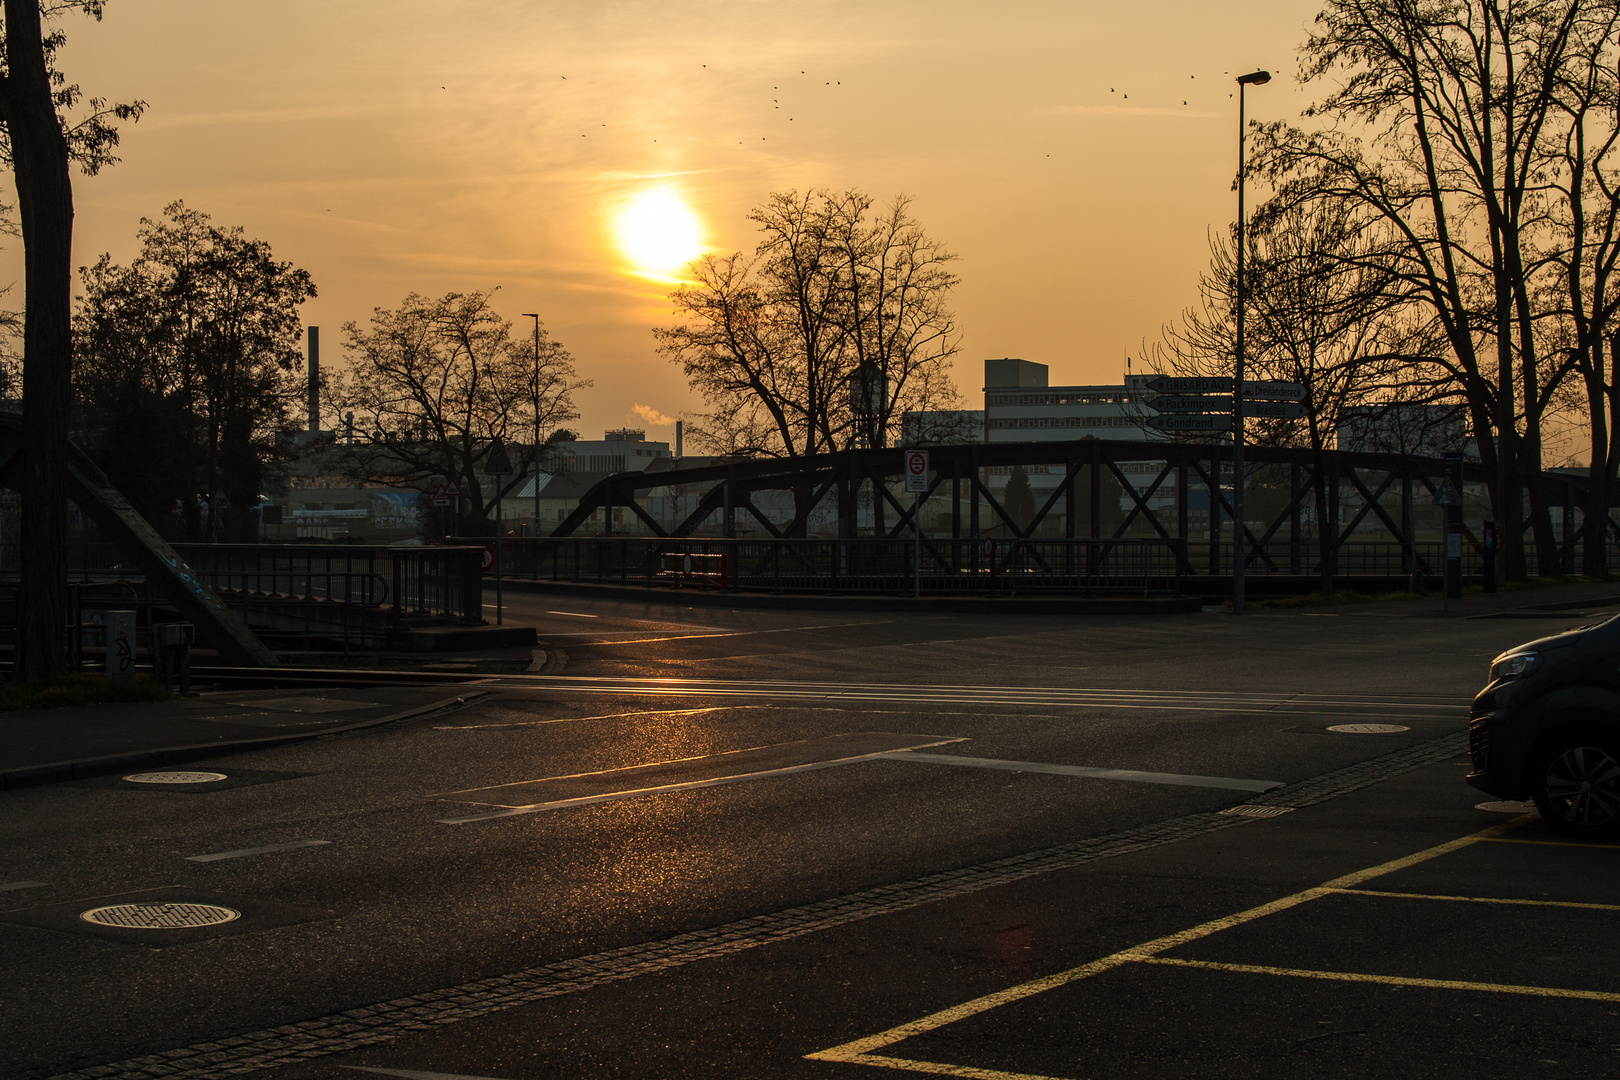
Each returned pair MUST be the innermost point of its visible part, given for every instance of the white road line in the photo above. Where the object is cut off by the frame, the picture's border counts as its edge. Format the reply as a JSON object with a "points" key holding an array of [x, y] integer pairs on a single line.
{"points": [[688, 785], [1174, 779], [733, 633], [13, 886], [575, 614], [245, 852], [606, 716], [1437, 708], [413, 1074]]}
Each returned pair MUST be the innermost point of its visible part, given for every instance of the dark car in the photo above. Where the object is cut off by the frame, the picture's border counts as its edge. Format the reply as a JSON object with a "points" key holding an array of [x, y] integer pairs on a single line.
{"points": [[1547, 727]]}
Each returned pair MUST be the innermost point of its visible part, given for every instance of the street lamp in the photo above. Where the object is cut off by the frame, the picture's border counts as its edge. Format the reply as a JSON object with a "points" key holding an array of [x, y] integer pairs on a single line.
{"points": [[1253, 78], [536, 318]]}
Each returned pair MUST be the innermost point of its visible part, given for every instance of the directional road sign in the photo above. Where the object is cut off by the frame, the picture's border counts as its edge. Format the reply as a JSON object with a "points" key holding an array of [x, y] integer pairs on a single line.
{"points": [[1191, 422], [1274, 410], [917, 471], [1165, 384], [1193, 404], [1272, 391]]}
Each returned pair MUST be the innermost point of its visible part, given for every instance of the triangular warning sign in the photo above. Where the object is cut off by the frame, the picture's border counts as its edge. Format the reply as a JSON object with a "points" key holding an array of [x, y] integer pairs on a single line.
{"points": [[1447, 495], [498, 463]]}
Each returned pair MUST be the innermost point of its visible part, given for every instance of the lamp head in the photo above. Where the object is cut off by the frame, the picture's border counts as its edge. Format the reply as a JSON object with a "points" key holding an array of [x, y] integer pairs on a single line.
{"points": [[1255, 78]]}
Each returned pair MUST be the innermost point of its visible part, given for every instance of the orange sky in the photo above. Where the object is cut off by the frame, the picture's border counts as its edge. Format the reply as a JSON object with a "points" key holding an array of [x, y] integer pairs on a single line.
{"points": [[398, 145]]}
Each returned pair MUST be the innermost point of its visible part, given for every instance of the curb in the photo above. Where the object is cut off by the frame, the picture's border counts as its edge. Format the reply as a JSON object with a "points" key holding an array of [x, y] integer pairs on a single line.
{"points": [[83, 768], [983, 605]]}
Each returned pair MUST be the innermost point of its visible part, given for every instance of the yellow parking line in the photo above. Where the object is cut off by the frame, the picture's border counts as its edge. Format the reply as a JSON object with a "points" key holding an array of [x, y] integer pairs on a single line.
{"points": [[1386, 980], [1553, 843], [1482, 899], [860, 1051]]}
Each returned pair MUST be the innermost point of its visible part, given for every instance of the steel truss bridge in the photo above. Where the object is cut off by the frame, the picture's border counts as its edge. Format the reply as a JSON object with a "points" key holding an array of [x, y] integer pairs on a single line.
{"points": [[1097, 502]]}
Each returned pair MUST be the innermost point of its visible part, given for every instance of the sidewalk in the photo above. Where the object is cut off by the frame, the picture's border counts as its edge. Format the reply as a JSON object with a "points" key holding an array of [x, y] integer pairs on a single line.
{"points": [[40, 746], [1548, 603]]}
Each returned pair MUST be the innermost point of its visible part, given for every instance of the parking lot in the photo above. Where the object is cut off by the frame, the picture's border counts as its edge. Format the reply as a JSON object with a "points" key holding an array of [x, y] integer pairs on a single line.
{"points": [[1055, 849]]}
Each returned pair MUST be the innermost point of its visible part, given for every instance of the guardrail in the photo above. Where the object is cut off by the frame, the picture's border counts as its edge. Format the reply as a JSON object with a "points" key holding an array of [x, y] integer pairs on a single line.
{"points": [[290, 594]]}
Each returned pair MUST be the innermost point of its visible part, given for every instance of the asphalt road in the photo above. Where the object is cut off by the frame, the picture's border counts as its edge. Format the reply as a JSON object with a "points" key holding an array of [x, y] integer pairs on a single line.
{"points": [[720, 843]]}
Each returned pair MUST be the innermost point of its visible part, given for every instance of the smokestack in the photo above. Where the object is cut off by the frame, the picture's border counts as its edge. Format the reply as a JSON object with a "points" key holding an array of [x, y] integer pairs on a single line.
{"points": [[680, 433], [314, 378]]}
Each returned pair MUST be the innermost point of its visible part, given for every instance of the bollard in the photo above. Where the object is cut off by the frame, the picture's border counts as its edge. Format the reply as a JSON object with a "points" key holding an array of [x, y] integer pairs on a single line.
{"points": [[173, 641], [121, 647]]}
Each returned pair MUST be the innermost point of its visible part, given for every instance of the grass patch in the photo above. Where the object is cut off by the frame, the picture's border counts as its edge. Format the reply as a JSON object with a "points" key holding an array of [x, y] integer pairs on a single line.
{"points": [[58, 691]]}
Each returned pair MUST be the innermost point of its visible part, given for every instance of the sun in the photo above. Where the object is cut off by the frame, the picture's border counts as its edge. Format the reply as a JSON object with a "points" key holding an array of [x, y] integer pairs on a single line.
{"points": [[658, 232]]}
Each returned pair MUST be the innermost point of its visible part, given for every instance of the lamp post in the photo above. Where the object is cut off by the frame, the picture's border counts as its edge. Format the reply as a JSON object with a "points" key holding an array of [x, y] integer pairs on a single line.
{"points": [[536, 318], [1253, 78]]}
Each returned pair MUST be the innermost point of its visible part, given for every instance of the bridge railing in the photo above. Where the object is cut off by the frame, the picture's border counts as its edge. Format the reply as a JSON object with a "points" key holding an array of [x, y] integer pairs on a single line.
{"points": [[855, 566]]}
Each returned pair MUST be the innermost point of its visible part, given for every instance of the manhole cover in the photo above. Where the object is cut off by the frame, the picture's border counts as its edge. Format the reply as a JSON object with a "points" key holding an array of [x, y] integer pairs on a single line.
{"points": [[1507, 807], [1368, 729], [160, 916], [1258, 811], [175, 777]]}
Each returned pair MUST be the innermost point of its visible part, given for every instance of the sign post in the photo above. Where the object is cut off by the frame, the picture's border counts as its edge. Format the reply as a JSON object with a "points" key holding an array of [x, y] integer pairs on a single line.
{"points": [[917, 484], [1488, 541], [498, 465], [1453, 487]]}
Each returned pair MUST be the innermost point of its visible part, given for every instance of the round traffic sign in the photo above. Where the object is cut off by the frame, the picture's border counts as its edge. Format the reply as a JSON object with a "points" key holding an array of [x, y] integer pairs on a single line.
{"points": [[489, 558], [989, 546], [917, 462]]}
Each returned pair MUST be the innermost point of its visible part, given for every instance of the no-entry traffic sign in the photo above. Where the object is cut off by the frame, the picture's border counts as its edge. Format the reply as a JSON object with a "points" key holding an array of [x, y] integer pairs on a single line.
{"points": [[917, 471]]}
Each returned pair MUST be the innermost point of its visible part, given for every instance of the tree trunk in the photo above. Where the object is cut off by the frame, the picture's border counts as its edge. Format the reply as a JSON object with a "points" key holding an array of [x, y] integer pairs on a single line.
{"points": [[45, 204]]}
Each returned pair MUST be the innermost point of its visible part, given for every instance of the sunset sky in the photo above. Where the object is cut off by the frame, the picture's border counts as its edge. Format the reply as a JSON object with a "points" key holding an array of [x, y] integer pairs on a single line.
{"points": [[1075, 155]]}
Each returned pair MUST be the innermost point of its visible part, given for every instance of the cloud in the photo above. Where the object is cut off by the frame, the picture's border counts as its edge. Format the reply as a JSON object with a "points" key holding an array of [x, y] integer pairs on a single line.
{"points": [[652, 416]]}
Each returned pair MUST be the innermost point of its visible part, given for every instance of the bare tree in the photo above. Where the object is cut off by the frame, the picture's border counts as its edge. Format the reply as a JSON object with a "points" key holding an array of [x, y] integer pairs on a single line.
{"points": [[434, 382], [48, 125], [1326, 311], [834, 287], [1469, 114]]}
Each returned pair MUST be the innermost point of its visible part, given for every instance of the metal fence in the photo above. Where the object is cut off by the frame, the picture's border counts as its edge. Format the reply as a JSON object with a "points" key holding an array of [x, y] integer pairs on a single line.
{"points": [[291, 595], [856, 566]]}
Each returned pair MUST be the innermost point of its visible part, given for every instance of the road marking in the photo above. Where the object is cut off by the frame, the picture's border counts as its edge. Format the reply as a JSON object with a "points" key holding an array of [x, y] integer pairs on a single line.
{"points": [[1175, 779], [413, 1074], [1387, 980], [1482, 899], [575, 614], [384, 1021], [860, 1051], [245, 852], [736, 633], [605, 716], [659, 789], [13, 886], [1555, 843], [1281, 703], [690, 785]]}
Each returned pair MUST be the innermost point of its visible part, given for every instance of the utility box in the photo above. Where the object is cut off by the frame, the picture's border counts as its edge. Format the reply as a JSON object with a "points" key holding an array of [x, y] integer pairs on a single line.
{"points": [[121, 647]]}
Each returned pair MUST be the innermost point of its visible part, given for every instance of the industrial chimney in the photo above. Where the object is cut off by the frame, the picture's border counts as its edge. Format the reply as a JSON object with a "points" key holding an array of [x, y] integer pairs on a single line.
{"points": [[314, 378], [680, 432]]}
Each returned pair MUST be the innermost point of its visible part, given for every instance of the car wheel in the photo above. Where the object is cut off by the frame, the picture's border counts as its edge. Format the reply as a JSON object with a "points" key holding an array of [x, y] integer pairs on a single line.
{"points": [[1575, 781]]}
